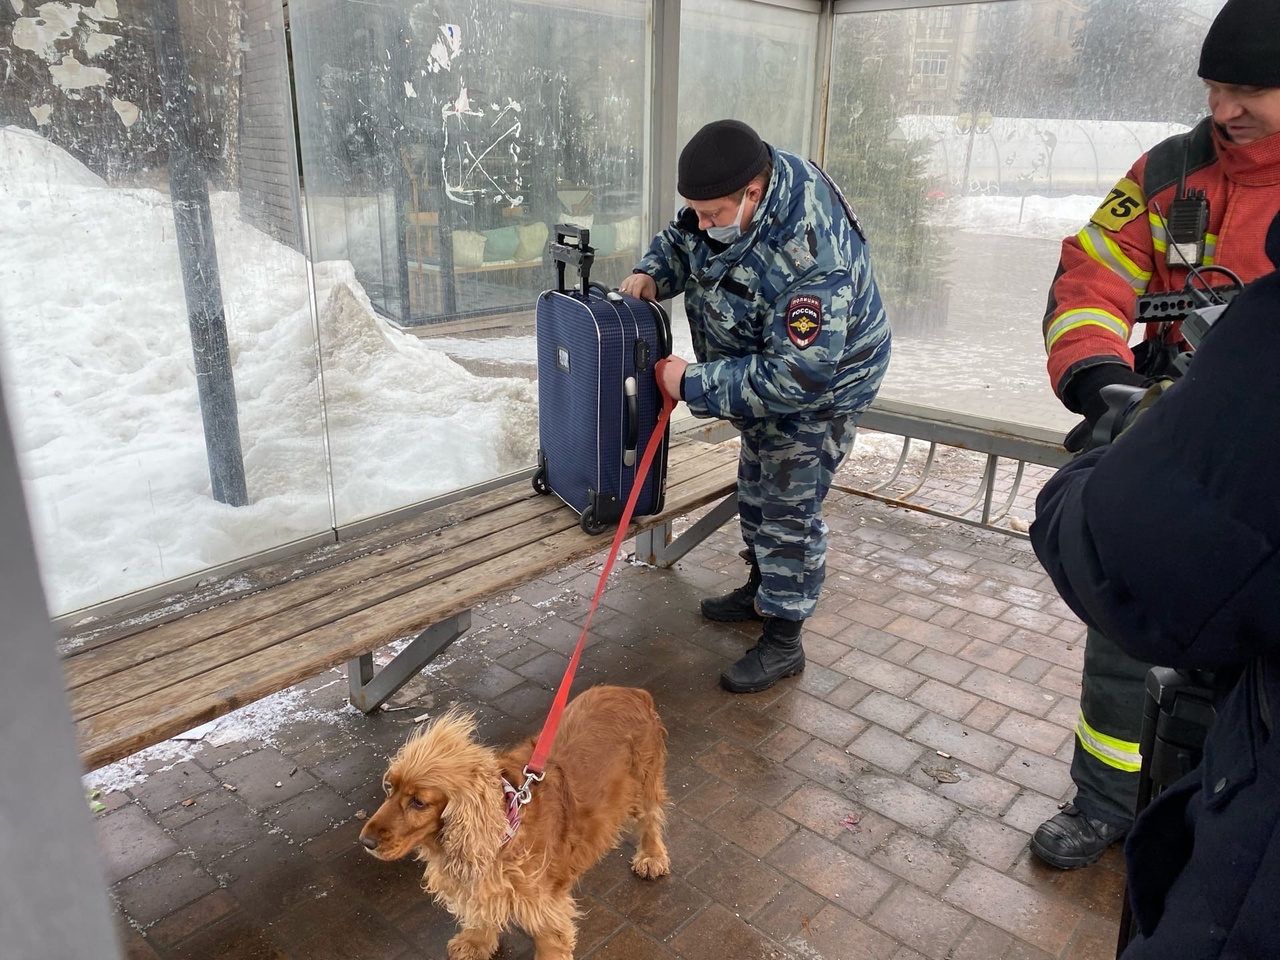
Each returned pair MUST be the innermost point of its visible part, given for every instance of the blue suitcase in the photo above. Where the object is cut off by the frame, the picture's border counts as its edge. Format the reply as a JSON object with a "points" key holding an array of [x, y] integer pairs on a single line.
{"points": [[598, 399]]}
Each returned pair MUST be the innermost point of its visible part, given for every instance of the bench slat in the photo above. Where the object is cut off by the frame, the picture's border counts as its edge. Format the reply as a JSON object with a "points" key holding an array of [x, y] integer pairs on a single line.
{"points": [[164, 713], [270, 573], [129, 652], [209, 652]]}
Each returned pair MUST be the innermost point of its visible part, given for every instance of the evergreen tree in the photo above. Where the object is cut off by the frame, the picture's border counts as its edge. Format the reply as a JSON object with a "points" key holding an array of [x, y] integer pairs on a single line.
{"points": [[883, 175]]}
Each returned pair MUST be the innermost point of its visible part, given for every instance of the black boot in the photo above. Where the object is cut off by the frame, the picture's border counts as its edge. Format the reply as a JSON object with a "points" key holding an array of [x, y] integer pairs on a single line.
{"points": [[740, 604], [777, 654], [1070, 839]]}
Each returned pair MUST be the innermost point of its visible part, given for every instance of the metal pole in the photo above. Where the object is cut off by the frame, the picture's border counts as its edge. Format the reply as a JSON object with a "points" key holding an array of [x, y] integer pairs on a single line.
{"points": [[822, 82], [664, 85], [193, 223]]}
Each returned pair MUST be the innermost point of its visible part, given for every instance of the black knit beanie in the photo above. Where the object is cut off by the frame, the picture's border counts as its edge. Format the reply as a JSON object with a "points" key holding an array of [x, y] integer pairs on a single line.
{"points": [[720, 159], [1243, 44]]}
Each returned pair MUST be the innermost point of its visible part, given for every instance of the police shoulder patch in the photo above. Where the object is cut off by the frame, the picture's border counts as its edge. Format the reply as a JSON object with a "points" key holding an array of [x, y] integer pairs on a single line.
{"points": [[1124, 203], [804, 320]]}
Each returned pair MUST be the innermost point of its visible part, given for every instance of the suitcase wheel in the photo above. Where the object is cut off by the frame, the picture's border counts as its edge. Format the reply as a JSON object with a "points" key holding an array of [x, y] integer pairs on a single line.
{"points": [[540, 477], [590, 523]]}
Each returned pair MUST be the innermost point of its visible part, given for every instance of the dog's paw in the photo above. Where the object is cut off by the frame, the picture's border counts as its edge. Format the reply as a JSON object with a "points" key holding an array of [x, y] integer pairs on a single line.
{"points": [[651, 867], [467, 946]]}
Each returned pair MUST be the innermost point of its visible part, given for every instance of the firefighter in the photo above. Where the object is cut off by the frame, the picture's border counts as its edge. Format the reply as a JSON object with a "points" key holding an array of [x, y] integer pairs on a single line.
{"points": [[1200, 199]]}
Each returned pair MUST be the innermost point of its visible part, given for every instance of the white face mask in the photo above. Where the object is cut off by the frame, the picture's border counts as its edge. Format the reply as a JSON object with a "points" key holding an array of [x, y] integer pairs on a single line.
{"points": [[732, 232]]}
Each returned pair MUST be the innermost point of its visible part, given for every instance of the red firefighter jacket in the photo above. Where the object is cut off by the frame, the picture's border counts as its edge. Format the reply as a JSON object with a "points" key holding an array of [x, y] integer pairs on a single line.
{"points": [[1121, 252]]}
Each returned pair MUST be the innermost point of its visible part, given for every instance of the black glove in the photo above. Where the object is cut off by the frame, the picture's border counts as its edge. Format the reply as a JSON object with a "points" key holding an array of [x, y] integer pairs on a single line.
{"points": [[1125, 404], [1083, 393]]}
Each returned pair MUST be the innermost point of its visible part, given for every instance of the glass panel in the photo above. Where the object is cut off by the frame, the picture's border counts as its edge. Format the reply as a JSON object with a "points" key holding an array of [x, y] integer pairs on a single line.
{"points": [[751, 61], [442, 142], [134, 443], [441, 145], [971, 139]]}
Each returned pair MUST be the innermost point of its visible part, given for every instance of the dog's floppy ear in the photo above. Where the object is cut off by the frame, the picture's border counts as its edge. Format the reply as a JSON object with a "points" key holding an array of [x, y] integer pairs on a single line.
{"points": [[473, 824]]}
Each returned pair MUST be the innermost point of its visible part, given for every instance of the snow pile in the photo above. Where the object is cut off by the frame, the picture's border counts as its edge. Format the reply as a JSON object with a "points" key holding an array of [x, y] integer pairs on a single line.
{"points": [[100, 382]]}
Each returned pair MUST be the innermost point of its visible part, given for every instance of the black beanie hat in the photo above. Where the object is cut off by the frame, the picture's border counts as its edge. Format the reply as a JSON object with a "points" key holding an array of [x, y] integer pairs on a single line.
{"points": [[1243, 44], [720, 159]]}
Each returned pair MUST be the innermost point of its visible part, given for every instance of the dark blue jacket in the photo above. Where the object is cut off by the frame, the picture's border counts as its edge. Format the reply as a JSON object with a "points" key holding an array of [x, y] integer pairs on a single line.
{"points": [[1168, 542]]}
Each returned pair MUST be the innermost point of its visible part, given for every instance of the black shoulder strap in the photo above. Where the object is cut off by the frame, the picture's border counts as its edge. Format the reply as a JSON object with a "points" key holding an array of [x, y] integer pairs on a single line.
{"points": [[1169, 159], [848, 210]]}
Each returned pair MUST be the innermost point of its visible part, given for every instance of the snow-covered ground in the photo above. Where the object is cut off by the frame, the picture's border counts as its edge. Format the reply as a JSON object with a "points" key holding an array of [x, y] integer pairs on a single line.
{"points": [[1044, 218]]}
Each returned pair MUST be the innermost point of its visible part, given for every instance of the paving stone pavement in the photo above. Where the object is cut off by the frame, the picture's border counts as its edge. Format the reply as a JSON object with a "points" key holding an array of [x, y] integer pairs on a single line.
{"points": [[877, 807]]}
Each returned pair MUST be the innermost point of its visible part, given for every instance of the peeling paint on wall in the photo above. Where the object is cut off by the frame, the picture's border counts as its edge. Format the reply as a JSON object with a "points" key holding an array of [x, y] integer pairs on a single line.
{"points": [[64, 16], [83, 73], [40, 35], [100, 43], [61, 21], [71, 74], [128, 111], [445, 48]]}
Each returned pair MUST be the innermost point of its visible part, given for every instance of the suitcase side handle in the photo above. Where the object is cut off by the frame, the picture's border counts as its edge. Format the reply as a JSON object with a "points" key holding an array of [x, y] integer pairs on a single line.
{"points": [[580, 254], [633, 422]]}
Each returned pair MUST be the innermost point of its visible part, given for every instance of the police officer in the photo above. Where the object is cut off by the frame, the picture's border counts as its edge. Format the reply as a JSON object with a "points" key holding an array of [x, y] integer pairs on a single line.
{"points": [[1132, 245], [792, 344]]}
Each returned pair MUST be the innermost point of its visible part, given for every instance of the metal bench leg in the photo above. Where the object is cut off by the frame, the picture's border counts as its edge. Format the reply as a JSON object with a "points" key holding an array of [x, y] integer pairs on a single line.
{"points": [[369, 691], [657, 547]]}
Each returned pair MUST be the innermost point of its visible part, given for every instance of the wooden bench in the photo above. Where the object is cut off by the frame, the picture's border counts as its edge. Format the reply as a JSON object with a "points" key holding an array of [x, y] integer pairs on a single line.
{"points": [[145, 678]]}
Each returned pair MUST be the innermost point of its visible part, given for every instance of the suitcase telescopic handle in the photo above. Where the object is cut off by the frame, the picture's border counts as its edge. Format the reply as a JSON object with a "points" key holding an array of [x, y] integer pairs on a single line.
{"points": [[579, 253], [664, 328], [633, 423]]}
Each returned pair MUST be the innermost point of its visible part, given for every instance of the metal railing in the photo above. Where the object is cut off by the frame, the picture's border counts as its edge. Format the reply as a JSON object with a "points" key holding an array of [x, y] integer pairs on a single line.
{"points": [[1021, 444]]}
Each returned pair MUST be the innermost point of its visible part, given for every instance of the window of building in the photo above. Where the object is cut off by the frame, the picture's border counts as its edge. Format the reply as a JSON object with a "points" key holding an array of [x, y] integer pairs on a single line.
{"points": [[932, 64]]}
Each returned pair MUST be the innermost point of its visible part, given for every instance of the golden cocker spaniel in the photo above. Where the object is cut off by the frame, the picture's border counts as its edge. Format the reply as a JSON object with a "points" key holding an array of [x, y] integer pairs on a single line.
{"points": [[447, 803]]}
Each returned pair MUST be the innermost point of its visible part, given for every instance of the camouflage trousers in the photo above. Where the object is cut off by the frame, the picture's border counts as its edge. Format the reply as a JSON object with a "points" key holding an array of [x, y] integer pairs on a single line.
{"points": [[785, 470]]}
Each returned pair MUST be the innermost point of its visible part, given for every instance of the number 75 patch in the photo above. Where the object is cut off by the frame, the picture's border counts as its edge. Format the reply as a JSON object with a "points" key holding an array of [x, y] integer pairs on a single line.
{"points": [[1124, 203]]}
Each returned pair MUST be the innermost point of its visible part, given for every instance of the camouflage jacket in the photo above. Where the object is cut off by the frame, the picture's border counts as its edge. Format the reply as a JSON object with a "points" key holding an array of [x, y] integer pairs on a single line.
{"points": [[787, 320]]}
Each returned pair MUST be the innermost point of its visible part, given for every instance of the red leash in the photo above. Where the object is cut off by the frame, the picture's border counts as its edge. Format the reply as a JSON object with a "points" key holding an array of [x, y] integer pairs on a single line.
{"points": [[536, 766]]}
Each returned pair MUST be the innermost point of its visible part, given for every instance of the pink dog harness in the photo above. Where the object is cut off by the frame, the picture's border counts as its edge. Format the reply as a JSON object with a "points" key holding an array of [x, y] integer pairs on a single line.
{"points": [[513, 810]]}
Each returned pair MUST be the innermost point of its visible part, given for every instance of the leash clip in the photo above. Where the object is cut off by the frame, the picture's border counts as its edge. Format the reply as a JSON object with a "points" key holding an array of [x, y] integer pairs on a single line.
{"points": [[523, 795]]}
